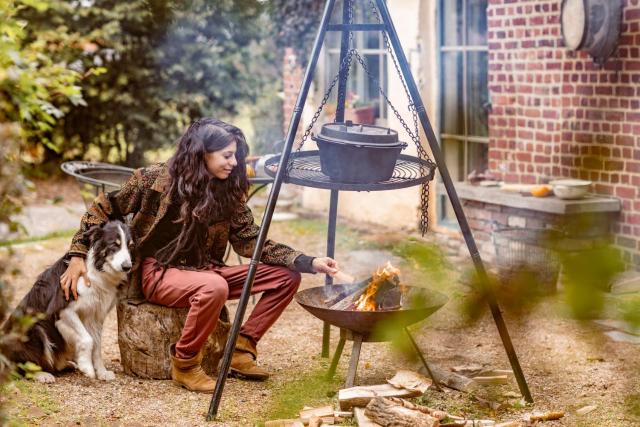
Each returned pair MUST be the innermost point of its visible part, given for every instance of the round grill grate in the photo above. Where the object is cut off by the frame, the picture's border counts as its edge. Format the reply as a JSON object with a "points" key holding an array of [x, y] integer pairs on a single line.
{"points": [[305, 170]]}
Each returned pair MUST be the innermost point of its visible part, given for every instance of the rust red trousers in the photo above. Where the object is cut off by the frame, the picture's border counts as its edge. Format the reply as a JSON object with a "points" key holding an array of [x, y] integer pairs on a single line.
{"points": [[205, 292]]}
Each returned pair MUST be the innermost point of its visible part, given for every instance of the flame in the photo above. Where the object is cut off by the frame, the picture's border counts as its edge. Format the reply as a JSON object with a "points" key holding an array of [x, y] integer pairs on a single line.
{"points": [[367, 301]]}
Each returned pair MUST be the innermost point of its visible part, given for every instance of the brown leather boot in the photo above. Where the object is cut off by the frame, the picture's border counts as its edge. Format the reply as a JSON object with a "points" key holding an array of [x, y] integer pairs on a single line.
{"points": [[188, 373], [243, 360]]}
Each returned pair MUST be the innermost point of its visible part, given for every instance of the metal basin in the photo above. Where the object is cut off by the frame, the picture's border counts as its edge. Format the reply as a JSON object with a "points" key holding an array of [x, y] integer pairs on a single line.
{"points": [[423, 303]]}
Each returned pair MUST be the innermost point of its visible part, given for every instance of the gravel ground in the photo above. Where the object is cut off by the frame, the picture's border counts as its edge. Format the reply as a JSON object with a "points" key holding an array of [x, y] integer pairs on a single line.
{"points": [[568, 364]]}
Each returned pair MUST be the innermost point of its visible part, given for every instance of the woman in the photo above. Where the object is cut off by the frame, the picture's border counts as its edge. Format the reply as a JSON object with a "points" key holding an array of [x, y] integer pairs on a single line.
{"points": [[184, 214]]}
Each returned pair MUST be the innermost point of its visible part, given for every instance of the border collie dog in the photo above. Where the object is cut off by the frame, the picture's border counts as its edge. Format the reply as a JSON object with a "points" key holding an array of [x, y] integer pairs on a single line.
{"points": [[69, 333]]}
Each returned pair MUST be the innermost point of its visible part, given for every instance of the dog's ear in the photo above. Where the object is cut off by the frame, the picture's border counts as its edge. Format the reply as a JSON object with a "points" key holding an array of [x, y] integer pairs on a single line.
{"points": [[94, 233]]}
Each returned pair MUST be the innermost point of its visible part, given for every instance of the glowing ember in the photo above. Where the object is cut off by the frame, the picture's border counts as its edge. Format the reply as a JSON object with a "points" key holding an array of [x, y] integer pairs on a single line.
{"points": [[367, 301]]}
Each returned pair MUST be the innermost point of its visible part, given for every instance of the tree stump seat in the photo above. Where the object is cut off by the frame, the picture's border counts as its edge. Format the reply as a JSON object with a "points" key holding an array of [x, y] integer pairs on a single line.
{"points": [[146, 332]]}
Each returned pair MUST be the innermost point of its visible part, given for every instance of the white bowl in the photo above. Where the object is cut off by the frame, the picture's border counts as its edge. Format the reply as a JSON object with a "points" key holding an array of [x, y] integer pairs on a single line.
{"points": [[570, 188]]}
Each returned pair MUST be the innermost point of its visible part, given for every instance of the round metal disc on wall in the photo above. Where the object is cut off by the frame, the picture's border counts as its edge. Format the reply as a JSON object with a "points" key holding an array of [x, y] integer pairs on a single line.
{"points": [[592, 26]]}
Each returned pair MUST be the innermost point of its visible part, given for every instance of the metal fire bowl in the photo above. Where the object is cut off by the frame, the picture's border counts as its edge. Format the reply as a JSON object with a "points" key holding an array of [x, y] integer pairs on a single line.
{"points": [[425, 303]]}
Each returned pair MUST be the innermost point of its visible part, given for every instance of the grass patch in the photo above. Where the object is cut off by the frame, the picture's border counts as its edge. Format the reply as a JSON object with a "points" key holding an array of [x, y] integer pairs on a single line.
{"points": [[314, 227], [22, 397], [311, 389], [632, 405], [48, 236]]}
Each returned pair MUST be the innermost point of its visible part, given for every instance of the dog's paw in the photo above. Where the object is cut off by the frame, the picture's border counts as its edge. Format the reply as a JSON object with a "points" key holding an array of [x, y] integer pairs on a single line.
{"points": [[44, 377], [87, 370], [106, 375]]}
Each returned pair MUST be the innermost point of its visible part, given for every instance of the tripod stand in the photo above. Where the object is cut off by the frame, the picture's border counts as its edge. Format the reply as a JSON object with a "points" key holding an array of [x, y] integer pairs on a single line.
{"points": [[387, 27]]}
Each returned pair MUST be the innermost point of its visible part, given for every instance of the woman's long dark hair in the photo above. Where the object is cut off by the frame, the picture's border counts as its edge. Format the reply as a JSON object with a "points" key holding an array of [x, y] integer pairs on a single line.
{"points": [[202, 198]]}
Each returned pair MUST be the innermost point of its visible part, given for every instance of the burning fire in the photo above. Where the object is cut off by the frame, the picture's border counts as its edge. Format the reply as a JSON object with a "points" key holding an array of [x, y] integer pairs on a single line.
{"points": [[367, 301]]}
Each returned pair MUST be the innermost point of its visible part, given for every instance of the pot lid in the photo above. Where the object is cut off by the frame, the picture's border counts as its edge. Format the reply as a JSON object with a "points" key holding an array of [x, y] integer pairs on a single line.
{"points": [[353, 132]]}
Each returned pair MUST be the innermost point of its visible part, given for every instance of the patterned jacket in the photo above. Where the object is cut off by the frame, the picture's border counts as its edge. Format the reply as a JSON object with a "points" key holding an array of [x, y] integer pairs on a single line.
{"points": [[144, 196]]}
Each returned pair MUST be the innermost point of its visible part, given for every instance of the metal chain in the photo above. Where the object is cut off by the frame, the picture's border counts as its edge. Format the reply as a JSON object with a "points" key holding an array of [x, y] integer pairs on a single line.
{"points": [[415, 137], [345, 63], [350, 45], [422, 154]]}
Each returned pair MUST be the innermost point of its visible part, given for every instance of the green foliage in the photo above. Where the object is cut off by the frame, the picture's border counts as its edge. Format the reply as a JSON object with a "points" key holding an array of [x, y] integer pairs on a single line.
{"points": [[149, 68], [587, 276], [312, 389], [296, 23], [33, 86]]}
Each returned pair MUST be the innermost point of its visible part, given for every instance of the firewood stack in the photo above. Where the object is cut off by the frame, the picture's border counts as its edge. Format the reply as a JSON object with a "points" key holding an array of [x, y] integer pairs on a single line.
{"points": [[386, 405]]}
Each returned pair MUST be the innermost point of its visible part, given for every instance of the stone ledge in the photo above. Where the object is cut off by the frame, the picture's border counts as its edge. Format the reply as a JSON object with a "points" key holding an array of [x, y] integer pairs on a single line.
{"points": [[493, 195]]}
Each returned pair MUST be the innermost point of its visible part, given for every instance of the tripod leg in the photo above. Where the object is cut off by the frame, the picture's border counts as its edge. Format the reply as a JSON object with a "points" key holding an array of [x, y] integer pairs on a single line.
{"points": [[336, 358], [268, 214], [353, 363], [424, 361], [455, 201]]}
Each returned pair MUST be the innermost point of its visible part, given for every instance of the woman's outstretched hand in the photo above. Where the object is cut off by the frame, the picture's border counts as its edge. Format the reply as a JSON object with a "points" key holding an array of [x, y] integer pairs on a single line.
{"points": [[325, 265], [69, 279]]}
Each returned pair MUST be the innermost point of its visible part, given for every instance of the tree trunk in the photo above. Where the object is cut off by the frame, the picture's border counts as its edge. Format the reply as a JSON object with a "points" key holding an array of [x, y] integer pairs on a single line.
{"points": [[146, 332]]}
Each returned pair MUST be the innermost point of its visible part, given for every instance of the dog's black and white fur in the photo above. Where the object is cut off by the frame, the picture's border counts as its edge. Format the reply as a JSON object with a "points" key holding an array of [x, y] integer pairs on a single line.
{"points": [[70, 332]]}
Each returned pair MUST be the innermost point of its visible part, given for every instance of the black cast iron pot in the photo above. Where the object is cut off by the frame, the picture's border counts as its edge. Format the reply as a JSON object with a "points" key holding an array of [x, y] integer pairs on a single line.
{"points": [[358, 154]]}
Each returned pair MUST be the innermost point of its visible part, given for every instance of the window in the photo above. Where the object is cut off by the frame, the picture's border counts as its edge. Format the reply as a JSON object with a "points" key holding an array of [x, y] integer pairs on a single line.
{"points": [[464, 92], [370, 45]]}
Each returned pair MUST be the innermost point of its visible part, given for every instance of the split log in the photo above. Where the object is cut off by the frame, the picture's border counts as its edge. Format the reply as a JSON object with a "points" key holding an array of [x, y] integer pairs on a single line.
{"points": [[284, 423], [391, 413], [146, 332], [494, 380], [325, 413], [467, 370], [453, 380], [362, 420], [435, 413], [362, 395], [410, 380], [348, 296]]}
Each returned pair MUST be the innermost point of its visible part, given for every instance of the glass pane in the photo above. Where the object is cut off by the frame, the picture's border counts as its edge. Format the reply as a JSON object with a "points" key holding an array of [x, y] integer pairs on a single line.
{"points": [[336, 13], [478, 94], [373, 40], [371, 90], [452, 100], [478, 156], [453, 151], [332, 40], [451, 11], [476, 22]]}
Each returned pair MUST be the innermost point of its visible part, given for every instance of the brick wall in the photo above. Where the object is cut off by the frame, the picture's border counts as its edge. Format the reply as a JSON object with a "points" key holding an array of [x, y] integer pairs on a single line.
{"points": [[557, 114]]}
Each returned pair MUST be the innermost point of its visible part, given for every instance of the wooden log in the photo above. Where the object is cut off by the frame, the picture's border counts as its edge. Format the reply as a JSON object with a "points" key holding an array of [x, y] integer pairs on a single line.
{"points": [[348, 296], [146, 332], [362, 395], [452, 380], [493, 380], [389, 413], [324, 413], [283, 423], [362, 420]]}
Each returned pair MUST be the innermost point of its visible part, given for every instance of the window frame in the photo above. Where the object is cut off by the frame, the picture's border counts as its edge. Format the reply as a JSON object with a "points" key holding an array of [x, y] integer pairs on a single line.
{"points": [[359, 81], [465, 139]]}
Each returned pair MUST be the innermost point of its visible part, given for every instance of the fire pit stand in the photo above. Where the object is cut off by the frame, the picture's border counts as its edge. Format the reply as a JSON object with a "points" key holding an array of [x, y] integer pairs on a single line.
{"points": [[369, 326], [419, 114], [358, 339]]}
